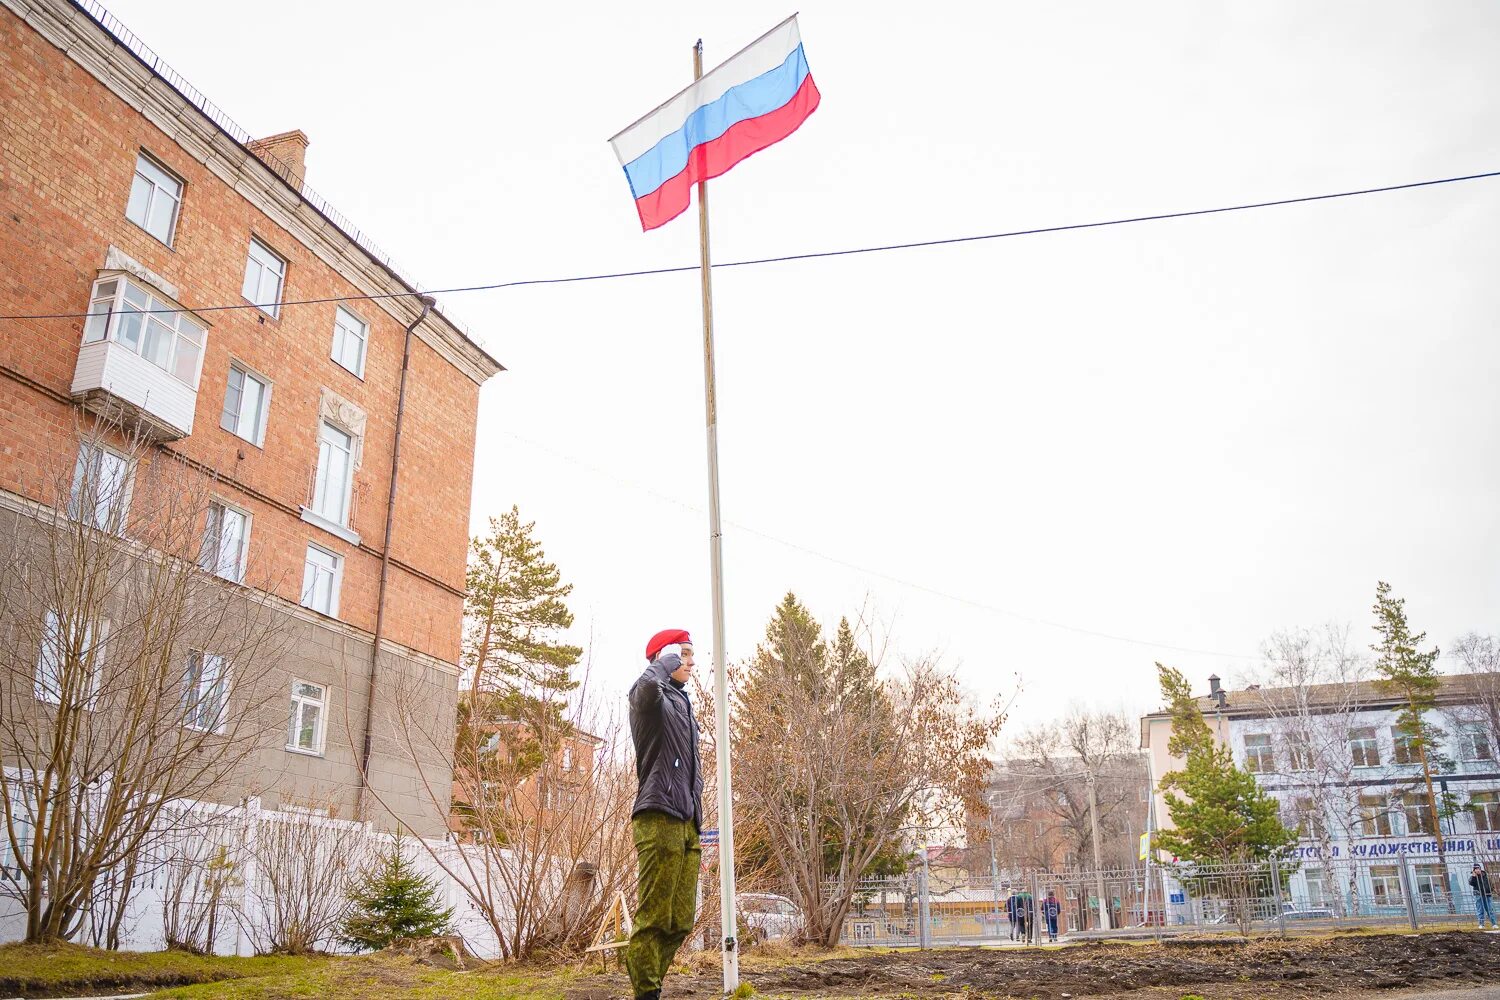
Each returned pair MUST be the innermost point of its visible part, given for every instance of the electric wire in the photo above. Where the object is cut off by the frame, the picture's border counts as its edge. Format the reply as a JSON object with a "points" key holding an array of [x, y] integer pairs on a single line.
{"points": [[812, 255]]}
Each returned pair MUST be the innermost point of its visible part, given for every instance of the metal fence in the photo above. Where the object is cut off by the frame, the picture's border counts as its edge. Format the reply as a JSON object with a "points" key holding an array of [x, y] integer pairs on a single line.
{"points": [[928, 908]]}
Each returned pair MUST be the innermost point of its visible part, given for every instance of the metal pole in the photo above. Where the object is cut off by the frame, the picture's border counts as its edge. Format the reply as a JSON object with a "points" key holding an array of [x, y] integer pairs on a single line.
{"points": [[716, 560], [1276, 895], [924, 906], [1098, 868], [1406, 892]]}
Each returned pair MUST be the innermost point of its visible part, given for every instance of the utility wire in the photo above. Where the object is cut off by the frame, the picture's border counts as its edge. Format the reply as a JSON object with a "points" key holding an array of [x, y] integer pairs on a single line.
{"points": [[980, 605], [815, 255]]}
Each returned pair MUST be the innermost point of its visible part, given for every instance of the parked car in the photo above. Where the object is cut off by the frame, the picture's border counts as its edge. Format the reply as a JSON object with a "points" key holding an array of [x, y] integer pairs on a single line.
{"points": [[1311, 913], [769, 916]]}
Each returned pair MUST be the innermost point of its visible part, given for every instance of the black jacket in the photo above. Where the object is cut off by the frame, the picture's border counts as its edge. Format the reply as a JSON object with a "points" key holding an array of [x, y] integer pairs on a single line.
{"points": [[665, 734], [1480, 883]]}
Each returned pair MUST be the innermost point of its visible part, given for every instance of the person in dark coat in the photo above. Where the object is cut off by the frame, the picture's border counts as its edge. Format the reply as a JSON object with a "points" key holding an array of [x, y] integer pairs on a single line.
{"points": [[1012, 910], [1051, 907], [668, 814], [1484, 896]]}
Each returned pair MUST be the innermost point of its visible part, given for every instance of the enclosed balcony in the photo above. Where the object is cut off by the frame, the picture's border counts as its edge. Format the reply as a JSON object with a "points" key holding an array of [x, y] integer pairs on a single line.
{"points": [[141, 358]]}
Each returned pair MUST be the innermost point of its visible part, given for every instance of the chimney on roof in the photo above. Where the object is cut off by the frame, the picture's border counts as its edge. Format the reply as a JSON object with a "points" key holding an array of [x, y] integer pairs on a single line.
{"points": [[285, 153], [1215, 691]]}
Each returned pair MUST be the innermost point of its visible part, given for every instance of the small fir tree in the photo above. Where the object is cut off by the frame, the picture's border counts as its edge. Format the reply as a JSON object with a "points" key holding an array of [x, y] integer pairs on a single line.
{"points": [[394, 901]]}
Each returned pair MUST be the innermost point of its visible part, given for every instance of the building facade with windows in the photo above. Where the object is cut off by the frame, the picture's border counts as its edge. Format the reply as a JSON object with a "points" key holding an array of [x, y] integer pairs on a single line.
{"points": [[131, 212], [1350, 780]]}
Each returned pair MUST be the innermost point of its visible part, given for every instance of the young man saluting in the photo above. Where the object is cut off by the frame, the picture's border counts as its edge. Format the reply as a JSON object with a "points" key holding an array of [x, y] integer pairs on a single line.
{"points": [[668, 815]]}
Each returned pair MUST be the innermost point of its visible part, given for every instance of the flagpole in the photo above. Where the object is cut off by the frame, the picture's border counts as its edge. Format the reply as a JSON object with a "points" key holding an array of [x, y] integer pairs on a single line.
{"points": [[716, 561]]}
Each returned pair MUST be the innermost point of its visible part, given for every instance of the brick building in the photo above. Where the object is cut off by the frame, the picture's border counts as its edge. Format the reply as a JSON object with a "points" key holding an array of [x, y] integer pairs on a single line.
{"points": [[123, 189]]}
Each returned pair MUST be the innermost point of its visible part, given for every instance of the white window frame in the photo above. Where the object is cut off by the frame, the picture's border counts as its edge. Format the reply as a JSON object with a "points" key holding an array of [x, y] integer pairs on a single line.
{"points": [[206, 675], [1471, 736], [88, 472], [1385, 885], [133, 315], [1260, 758], [1414, 810], [1375, 813], [1485, 808], [1404, 745], [152, 190], [212, 558], [328, 502], [347, 328], [235, 422], [299, 701], [1366, 745], [261, 263], [308, 587], [95, 637]]}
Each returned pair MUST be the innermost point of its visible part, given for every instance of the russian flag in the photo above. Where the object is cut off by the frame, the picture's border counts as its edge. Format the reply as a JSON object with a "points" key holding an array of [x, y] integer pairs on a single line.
{"points": [[754, 100]]}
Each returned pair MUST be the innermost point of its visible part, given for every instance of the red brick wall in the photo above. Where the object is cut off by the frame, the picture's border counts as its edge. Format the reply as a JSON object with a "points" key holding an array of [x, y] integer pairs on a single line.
{"points": [[67, 154]]}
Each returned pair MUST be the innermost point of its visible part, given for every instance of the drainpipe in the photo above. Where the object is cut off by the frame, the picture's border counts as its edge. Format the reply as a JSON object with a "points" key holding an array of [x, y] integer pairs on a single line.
{"points": [[385, 561]]}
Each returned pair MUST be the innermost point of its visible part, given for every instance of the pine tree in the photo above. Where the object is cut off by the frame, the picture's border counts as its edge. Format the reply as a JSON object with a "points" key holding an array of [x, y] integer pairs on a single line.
{"points": [[1410, 674], [518, 667], [1220, 815], [394, 901]]}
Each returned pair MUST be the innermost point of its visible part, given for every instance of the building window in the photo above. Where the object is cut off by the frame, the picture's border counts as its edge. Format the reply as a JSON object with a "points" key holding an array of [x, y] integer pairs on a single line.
{"points": [[70, 660], [144, 323], [350, 335], [1259, 757], [309, 710], [320, 581], [1486, 809], [23, 808], [335, 477], [1308, 818], [1419, 814], [225, 542], [1300, 753], [101, 488], [1474, 743], [1317, 891], [567, 758], [1385, 884], [1430, 883], [205, 692], [155, 196], [247, 400], [1364, 748], [1375, 817], [1404, 747], [264, 274]]}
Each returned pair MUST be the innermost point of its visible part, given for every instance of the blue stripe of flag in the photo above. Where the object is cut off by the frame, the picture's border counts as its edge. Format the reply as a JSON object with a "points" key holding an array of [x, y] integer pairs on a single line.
{"points": [[751, 99]]}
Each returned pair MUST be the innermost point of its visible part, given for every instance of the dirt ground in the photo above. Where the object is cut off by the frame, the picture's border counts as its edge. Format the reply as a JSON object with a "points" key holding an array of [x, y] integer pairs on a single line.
{"points": [[1348, 966]]}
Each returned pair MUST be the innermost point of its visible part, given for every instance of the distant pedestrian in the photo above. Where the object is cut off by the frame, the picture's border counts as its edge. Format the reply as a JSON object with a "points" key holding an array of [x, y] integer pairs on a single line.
{"points": [[1026, 909], [1050, 909], [1012, 912], [668, 814], [1484, 897]]}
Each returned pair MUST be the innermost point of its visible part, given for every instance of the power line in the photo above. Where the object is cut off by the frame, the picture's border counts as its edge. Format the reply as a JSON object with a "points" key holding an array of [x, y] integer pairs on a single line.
{"points": [[980, 605], [813, 255]]}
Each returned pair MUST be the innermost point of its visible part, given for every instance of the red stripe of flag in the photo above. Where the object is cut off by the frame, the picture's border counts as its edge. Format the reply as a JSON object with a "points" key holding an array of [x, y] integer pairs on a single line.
{"points": [[715, 157]]}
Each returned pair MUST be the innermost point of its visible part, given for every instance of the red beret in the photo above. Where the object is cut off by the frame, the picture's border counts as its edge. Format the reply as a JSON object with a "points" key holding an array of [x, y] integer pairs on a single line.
{"points": [[665, 638]]}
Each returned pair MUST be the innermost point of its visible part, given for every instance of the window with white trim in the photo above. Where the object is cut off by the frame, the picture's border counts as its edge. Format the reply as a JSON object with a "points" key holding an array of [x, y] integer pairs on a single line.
{"points": [[1486, 809], [247, 401], [1474, 742], [309, 713], [320, 580], [70, 660], [101, 488], [130, 314], [23, 808], [205, 692], [335, 478], [1375, 817], [265, 271], [350, 337], [1419, 815], [226, 540], [1364, 747], [1404, 748], [1385, 885], [155, 197], [1260, 758]]}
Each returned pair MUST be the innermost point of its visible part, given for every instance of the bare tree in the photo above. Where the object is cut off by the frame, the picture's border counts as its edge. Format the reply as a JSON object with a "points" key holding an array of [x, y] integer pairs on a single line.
{"points": [[836, 763], [300, 864], [133, 679]]}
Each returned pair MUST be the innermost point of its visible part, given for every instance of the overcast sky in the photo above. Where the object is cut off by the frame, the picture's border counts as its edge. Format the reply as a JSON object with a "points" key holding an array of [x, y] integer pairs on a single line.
{"points": [[1186, 433]]}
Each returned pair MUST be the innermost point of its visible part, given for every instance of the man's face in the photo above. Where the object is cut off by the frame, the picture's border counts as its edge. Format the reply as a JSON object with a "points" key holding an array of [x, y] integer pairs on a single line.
{"points": [[683, 672]]}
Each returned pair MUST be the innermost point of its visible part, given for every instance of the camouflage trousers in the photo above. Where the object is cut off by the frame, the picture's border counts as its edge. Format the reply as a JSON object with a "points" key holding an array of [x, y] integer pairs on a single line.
{"points": [[667, 855]]}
